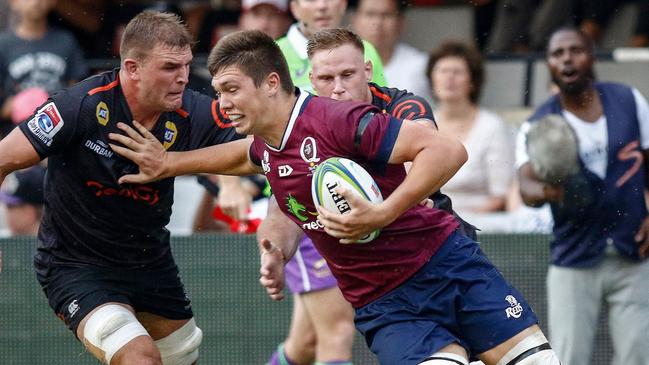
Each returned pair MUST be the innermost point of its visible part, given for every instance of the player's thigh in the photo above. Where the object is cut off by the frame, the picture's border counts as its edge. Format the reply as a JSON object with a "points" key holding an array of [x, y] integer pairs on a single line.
{"points": [[329, 311], [111, 331], [157, 326], [301, 329]]}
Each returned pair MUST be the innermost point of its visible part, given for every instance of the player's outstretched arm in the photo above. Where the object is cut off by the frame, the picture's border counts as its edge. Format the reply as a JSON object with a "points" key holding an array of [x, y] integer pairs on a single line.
{"points": [[16, 152], [435, 159], [155, 163]]}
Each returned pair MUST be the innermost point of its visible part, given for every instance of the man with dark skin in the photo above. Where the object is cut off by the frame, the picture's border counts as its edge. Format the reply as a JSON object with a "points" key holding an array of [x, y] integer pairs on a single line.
{"points": [[601, 229]]}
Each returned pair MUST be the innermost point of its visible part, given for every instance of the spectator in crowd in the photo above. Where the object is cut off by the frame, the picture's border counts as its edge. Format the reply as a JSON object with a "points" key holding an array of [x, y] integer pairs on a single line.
{"points": [[381, 22], [600, 239], [313, 16], [269, 16], [35, 59], [22, 195], [456, 73]]}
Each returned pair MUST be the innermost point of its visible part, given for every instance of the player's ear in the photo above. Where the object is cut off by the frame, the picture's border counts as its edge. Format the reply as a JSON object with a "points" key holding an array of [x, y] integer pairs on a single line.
{"points": [[131, 68], [368, 70], [273, 83]]}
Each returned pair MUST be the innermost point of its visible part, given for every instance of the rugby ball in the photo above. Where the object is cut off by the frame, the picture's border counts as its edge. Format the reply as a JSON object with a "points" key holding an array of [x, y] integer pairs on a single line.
{"points": [[338, 171]]}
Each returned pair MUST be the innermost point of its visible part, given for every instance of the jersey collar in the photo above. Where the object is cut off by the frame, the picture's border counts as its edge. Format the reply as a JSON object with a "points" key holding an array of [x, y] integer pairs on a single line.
{"points": [[302, 99]]}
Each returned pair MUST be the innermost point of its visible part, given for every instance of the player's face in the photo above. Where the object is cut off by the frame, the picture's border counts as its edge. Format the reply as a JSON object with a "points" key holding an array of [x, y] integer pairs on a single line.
{"points": [[316, 15], [378, 21], [163, 76], [242, 101], [451, 79], [266, 18], [570, 62], [341, 74]]}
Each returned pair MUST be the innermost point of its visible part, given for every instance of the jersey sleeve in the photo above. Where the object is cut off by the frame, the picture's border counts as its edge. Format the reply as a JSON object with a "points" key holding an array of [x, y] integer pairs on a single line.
{"points": [[209, 125], [55, 124], [367, 132]]}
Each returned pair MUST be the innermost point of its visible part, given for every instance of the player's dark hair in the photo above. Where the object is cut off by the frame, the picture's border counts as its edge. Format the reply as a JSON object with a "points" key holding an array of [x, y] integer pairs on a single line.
{"points": [[151, 28], [588, 41], [331, 38], [254, 53], [469, 54]]}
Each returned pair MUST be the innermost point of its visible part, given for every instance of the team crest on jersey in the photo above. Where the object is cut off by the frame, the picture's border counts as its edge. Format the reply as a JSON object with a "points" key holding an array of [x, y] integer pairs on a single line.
{"points": [[171, 131], [515, 309], [46, 123], [102, 113], [309, 153], [265, 164]]}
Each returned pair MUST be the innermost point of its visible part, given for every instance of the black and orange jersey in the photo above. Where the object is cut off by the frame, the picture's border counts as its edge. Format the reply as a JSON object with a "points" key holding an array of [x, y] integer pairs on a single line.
{"points": [[400, 103], [89, 218]]}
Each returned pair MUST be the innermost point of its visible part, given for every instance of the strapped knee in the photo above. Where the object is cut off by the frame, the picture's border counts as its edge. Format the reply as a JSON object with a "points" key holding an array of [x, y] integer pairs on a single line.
{"points": [[532, 350], [110, 328], [181, 347], [445, 358]]}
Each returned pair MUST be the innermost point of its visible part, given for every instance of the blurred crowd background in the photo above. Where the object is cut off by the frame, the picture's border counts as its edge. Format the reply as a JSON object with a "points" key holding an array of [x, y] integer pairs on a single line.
{"points": [[501, 74]]}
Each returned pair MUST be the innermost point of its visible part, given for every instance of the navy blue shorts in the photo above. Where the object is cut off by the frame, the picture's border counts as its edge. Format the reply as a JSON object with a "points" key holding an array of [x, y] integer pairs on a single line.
{"points": [[457, 297], [73, 292]]}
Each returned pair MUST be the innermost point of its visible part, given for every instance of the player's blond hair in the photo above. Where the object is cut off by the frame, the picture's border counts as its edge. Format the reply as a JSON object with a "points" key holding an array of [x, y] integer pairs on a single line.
{"points": [[151, 28], [328, 39]]}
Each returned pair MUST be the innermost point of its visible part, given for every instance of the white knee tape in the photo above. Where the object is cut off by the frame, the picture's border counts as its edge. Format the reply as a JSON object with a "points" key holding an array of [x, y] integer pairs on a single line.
{"points": [[181, 347], [532, 350], [445, 358], [110, 328]]}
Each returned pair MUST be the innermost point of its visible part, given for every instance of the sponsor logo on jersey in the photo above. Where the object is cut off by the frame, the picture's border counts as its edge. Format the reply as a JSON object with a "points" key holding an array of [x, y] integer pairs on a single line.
{"points": [[171, 132], [46, 123], [284, 170], [515, 309], [297, 209], [73, 308], [102, 113], [136, 192], [265, 165], [99, 147]]}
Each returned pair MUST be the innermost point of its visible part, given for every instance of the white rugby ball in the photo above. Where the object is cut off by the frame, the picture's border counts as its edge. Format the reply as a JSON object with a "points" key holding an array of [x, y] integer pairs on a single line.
{"points": [[338, 171]]}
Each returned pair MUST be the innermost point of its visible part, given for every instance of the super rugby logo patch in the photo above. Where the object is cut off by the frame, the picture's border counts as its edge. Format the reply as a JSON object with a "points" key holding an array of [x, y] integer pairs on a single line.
{"points": [[46, 123]]}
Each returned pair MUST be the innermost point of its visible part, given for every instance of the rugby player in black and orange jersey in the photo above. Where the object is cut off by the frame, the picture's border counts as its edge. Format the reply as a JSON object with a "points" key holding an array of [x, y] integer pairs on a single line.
{"points": [[103, 257]]}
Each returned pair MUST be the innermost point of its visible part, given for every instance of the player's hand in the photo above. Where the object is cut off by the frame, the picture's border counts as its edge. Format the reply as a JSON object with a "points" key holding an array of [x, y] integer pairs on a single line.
{"points": [[642, 238], [272, 270], [233, 199], [143, 148], [364, 218]]}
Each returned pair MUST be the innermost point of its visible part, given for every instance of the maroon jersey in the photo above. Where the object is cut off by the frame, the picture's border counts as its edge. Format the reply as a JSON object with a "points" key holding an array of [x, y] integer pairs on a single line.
{"points": [[320, 128]]}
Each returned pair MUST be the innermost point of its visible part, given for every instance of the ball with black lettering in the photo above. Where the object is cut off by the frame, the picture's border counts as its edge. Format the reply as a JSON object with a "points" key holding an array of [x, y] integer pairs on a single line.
{"points": [[335, 172]]}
